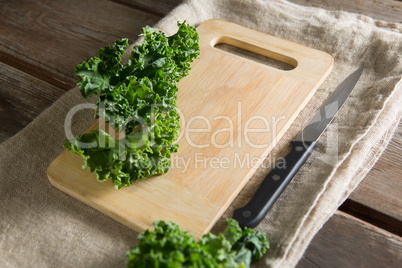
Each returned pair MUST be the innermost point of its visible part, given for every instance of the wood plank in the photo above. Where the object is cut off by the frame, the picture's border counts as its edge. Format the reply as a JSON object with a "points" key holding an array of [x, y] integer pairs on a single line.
{"points": [[382, 187], [378, 197], [156, 7], [48, 38], [345, 241], [387, 10], [22, 98]]}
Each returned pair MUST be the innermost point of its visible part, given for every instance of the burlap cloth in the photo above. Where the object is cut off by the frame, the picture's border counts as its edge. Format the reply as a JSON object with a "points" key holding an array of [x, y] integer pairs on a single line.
{"points": [[41, 226]]}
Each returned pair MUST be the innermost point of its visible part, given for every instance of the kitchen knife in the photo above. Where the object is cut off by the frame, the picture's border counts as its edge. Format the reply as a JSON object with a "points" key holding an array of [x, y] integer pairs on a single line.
{"points": [[302, 146]]}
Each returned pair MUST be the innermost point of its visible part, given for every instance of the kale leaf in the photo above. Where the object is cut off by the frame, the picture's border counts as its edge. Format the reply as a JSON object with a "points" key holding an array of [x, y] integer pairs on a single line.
{"points": [[139, 98], [169, 246]]}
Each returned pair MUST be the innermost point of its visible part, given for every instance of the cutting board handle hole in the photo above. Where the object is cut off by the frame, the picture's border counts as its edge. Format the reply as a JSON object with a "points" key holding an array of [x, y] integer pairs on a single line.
{"points": [[255, 53]]}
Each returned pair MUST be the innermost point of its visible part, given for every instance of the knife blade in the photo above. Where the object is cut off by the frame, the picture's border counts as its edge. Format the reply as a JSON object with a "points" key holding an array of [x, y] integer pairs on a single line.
{"points": [[301, 148]]}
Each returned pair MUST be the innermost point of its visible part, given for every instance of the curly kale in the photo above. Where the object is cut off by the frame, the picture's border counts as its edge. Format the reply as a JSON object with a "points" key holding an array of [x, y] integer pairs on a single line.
{"points": [[139, 98], [169, 246]]}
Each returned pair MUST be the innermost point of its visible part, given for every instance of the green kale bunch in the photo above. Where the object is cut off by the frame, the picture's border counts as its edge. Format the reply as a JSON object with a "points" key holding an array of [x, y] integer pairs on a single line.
{"points": [[168, 246], [139, 98]]}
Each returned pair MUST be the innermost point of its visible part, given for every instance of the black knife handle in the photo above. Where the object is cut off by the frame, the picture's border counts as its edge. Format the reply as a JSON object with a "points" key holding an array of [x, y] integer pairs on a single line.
{"points": [[273, 185]]}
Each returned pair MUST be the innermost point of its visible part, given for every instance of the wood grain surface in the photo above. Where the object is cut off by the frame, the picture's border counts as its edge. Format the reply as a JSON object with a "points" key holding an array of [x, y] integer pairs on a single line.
{"points": [[51, 37], [378, 197], [31, 29], [346, 242], [387, 10], [22, 98], [380, 190]]}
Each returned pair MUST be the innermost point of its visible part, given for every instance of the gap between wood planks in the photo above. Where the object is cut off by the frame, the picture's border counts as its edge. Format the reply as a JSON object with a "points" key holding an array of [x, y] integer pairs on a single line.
{"points": [[157, 8], [372, 216]]}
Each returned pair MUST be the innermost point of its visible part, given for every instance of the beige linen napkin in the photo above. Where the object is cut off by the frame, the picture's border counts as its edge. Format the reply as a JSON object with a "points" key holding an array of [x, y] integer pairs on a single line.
{"points": [[41, 226]]}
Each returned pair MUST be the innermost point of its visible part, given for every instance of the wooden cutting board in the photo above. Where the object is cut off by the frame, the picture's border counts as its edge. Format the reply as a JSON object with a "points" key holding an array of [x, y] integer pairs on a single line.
{"points": [[233, 109]]}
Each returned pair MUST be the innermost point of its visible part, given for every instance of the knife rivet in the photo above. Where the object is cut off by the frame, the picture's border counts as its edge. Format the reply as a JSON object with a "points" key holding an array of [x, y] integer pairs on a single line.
{"points": [[299, 148], [276, 177], [246, 213]]}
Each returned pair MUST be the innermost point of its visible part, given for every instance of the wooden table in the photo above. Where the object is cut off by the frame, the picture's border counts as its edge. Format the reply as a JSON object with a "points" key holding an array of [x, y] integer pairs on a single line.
{"points": [[42, 41]]}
